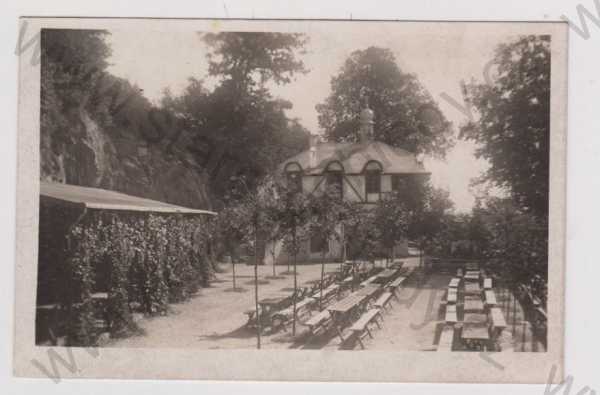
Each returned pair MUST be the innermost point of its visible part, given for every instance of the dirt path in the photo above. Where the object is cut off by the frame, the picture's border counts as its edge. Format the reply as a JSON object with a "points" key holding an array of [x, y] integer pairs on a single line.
{"points": [[215, 317]]}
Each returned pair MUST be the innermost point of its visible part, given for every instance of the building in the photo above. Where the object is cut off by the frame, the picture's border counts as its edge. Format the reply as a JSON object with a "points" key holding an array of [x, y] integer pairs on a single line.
{"points": [[362, 172]]}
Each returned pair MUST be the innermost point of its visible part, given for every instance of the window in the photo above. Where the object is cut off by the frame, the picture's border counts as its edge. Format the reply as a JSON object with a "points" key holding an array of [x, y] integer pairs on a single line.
{"points": [[373, 181], [334, 179], [318, 244], [294, 176], [294, 181], [373, 178]]}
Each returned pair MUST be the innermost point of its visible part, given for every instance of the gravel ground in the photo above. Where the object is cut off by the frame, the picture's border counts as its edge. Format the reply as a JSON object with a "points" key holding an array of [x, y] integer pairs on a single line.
{"points": [[215, 319]]}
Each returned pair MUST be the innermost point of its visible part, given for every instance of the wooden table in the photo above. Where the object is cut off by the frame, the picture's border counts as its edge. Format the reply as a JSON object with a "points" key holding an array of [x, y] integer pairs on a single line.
{"points": [[475, 333], [472, 276], [343, 311], [490, 298], [473, 303], [386, 275], [472, 288], [454, 282]]}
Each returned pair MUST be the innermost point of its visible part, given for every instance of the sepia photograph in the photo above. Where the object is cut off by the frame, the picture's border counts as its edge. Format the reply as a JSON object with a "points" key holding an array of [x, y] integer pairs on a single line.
{"points": [[347, 187]]}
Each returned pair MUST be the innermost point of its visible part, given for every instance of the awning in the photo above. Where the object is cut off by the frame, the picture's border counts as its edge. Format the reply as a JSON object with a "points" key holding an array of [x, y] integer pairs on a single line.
{"points": [[103, 199]]}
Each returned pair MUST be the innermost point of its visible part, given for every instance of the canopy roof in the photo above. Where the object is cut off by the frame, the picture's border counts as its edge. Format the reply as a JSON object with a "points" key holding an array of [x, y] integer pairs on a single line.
{"points": [[96, 198], [355, 156]]}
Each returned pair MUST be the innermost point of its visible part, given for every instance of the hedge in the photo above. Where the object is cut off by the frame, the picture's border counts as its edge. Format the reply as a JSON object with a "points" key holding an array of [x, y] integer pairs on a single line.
{"points": [[142, 261]]}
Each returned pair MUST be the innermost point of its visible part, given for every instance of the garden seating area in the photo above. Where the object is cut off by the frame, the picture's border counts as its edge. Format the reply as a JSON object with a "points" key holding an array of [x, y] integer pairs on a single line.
{"points": [[344, 308], [472, 312]]}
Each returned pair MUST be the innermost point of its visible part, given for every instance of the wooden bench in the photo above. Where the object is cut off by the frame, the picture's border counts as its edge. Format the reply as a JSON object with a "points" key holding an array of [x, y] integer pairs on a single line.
{"points": [[490, 298], [252, 319], [368, 281], [361, 327], [280, 318], [498, 323], [446, 339], [452, 295], [394, 285], [487, 283], [384, 301], [451, 317], [318, 321]]}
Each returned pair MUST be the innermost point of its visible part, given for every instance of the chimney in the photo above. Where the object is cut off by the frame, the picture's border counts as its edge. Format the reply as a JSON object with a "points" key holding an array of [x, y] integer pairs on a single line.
{"points": [[366, 124], [312, 158]]}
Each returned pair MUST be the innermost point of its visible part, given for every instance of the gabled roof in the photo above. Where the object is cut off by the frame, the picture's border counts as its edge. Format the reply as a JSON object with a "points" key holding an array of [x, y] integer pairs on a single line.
{"points": [[96, 198], [355, 156]]}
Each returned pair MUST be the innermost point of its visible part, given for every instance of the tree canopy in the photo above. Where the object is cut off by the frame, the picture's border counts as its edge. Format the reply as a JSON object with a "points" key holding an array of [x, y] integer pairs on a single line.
{"points": [[512, 123], [405, 113], [239, 128]]}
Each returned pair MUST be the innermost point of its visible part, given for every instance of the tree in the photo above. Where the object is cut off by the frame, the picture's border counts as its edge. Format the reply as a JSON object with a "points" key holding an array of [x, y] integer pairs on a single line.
{"points": [[238, 128], [250, 59], [326, 211], [230, 226], [391, 220], [405, 114], [512, 124], [292, 218]]}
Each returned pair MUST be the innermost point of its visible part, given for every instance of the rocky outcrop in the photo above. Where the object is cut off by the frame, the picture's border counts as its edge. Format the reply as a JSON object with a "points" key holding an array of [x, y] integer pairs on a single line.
{"points": [[98, 158]]}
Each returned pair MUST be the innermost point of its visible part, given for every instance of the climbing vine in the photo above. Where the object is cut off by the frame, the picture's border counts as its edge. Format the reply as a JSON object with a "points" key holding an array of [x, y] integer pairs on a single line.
{"points": [[141, 262]]}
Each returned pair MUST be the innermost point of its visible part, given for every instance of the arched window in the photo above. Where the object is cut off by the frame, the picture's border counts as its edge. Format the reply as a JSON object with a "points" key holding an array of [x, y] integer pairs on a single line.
{"points": [[293, 173], [373, 171], [334, 178]]}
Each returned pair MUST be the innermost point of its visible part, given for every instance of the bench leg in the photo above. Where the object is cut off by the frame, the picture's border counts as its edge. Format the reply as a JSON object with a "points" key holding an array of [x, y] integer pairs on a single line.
{"points": [[339, 332], [369, 331], [377, 321], [360, 342]]}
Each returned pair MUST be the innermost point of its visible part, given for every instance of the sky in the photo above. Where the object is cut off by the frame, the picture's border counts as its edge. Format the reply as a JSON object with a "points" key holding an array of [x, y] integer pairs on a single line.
{"points": [[441, 59]]}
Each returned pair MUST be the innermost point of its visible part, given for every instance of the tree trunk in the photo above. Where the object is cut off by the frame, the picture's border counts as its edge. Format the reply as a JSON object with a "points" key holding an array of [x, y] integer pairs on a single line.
{"points": [[273, 256], [322, 278], [256, 290], [295, 284], [233, 268]]}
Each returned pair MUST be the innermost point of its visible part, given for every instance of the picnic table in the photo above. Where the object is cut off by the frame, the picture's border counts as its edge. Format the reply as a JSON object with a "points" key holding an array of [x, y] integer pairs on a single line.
{"points": [[472, 288], [472, 266], [386, 275], [327, 292], [487, 283], [268, 306], [454, 282], [345, 310], [490, 298], [475, 333], [472, 275], [473, 303]]}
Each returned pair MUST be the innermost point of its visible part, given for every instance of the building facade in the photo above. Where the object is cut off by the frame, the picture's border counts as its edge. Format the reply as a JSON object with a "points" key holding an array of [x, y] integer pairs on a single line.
{"points": [[362, 172]]}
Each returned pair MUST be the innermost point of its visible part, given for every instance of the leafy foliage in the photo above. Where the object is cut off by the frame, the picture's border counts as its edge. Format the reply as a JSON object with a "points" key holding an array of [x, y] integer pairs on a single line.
{"points": [[238, 129], [152, 260], [513, 121], [405, 113]]}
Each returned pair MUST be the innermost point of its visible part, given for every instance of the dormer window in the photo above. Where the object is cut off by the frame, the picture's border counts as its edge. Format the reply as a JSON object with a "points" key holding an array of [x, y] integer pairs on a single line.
{"points": [[373, 171], [293, 173]]}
